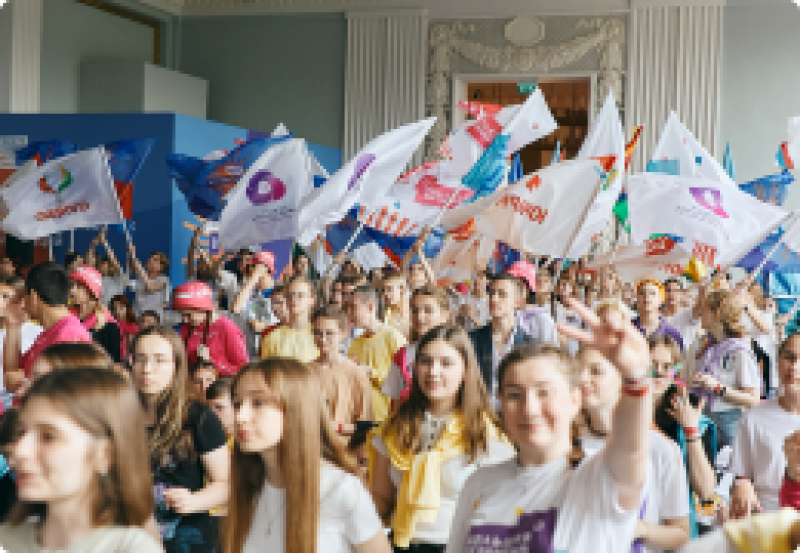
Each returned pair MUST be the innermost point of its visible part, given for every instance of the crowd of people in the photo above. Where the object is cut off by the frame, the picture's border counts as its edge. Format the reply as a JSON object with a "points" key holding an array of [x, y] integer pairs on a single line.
{"points": [[544, 408]]}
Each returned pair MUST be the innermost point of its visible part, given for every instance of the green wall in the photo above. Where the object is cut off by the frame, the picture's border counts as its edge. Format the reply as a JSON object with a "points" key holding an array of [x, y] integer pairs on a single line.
{"points": [[72, 31], [263, 70]]}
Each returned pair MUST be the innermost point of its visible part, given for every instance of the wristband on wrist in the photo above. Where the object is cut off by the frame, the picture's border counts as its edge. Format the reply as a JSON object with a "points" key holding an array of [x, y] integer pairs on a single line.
{"points": [[340, 428], [635, 381], [691, 431], [741, 478], [635, 391]]}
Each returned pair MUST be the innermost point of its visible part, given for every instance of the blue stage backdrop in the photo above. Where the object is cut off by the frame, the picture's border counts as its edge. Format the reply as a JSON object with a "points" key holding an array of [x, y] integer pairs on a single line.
{"points": [[162, 221]]}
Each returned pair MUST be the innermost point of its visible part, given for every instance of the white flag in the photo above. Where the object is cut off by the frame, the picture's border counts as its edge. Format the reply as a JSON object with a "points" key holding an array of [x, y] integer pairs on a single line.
{"points": [[370, 256], [605, 141], [75, 191], [658, 258], [462, 256], [542, 213], [706, 211], [364, 179], [523, 124], [677, 145], [262, 207]]}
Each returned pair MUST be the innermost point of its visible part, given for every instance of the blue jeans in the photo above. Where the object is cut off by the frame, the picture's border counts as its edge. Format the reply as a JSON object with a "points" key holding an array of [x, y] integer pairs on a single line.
{"points": [[726, 422]]}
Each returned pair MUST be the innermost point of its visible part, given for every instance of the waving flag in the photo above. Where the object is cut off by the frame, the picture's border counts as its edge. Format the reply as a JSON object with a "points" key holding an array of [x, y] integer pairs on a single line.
{"points": [[263, 205], [503, 257], [790, 150], [490, 173], [460, 257], [722, 218], [679, 150], [783, 260], [125, 159], [44, 151], [606, 143], [205, 183], [772, 189], [364, 180], [73, 191], [659, 257]]}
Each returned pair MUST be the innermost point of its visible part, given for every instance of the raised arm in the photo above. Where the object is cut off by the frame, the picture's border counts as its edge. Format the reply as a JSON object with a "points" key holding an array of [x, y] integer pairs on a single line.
{"points": [[136, 265], [90, 257], [624, 346], [701, 473], [112, 259], [246, 290], [190, 255]]}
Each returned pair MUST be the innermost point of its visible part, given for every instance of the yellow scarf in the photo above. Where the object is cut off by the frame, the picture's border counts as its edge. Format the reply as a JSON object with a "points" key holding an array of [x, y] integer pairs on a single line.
{"points": [[419, 495], [767, 533]]}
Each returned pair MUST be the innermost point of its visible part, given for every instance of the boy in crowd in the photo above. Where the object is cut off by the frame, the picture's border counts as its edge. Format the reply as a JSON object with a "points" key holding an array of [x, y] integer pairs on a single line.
{"points": [[375, 347], [346, 386], [502, 334], [219, 397], [395, 297], [202, 374], [45, 300], [148, 319], [11, 287], [294, 338]]}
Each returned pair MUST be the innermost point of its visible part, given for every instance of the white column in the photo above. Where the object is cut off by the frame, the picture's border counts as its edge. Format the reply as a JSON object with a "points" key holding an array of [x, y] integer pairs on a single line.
{"points": [[20, 55], [384, 74], [675, 63]]}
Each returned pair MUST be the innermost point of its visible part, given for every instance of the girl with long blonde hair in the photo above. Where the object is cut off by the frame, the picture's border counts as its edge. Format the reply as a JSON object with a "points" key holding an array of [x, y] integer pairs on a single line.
{"points": [[294, 488]]}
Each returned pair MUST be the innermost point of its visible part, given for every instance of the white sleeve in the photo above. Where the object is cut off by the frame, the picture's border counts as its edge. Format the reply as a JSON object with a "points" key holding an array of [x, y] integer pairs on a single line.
{"points": [[363, 522], [462, 519], [675, 489], [746, 369], [742, 455]]}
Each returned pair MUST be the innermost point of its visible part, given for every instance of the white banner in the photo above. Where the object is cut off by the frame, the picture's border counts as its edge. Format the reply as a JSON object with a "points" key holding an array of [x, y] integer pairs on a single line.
{"points": [[658, 258], [75, 191], [262, 207]]}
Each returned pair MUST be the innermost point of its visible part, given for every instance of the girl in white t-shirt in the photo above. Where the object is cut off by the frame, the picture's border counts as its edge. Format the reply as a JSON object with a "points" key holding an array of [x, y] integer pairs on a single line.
{"points": [[81, 465], [664, 513], [537, 502], [293, 488], [430, 307], [440, 435]]}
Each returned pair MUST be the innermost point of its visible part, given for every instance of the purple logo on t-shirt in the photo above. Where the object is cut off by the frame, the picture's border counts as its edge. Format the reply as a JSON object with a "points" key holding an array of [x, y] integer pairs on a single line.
{"points": [[533, 533], [264, 187], [362, 163], [709, 198]]}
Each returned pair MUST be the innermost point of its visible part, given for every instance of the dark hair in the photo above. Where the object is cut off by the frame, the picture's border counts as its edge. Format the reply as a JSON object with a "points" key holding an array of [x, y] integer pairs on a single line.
{"points": [[508, 277], [360, 434], [655, 340], [221, 387], [785, 343], [367, 293], [13, 281], [151, 313], [673, 280], [8, 426], [130, 316], [201, 365], [331, 312], [70, 257], [50, 282]]}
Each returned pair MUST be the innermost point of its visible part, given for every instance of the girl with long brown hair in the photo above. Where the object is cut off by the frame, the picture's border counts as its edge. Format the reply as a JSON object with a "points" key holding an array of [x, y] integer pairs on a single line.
{"points": [[187, 445], [80, 460], [444, 431], [293, 488]]}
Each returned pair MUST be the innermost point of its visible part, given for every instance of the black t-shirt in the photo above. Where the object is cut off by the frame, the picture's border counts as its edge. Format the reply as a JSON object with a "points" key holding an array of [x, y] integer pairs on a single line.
{"points": [[109, 337]]}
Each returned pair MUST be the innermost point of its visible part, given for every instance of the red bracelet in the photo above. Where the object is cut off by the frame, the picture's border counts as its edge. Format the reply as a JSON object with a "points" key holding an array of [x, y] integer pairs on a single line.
{"points": [[635, 391], [340, 428], [691, 431], [717, 388]]}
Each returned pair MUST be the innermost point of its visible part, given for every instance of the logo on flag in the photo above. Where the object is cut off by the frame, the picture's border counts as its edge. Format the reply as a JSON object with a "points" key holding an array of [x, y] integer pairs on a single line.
{"points": [[659, 246], [709, 198], [362, 164], [48, 185], [264, 187], [430, 193]]}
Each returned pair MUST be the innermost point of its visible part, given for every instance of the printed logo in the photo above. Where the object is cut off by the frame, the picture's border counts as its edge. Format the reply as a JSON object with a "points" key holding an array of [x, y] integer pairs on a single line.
{"points": [[659, 246], [533, 183], [429, 192], [56, 183], [362, 164], [264, 187], [709, 198]]}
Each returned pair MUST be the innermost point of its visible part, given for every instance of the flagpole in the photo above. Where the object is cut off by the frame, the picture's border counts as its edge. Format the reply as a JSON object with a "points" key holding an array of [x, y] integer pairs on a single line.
{"points": [[72, 239], [50, 248]]}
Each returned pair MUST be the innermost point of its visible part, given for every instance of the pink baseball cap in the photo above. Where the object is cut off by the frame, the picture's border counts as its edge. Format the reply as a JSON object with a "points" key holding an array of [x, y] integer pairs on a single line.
{"points": [[525, 271], [192, 296], [264, 257], [89, 277]]}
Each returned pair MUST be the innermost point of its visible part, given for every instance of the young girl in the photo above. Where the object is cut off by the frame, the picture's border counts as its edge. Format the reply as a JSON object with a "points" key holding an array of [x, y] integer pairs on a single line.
{"points": [[207, 334], [664, 513], [85, 294], [430, 307], [152, 284], [126, 319], [187, 445], [728, 375], [81, 467], [293, 488], [537, 495], [443, 432]]}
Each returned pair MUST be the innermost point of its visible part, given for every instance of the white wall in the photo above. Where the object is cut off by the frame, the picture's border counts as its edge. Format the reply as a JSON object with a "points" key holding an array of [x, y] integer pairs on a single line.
{"points": [[760, 84]]}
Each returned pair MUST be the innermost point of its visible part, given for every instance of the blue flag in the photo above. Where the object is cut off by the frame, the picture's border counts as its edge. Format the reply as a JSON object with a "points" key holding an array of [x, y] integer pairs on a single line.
{"points": [[772, 189], [44, 151], [515, 169], [126, 157], [728, 164], [490, 170], [666, 166]]}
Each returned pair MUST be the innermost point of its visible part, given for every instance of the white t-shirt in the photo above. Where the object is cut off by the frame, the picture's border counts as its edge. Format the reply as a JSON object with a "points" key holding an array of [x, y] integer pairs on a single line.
{"points": [[395, 383], [568, 316], [452, 476], [506, 508], [758, 449], [347, 516], [738, 370], [119, 539], [28, 334], [151, 301], [666, 494], [537, 322], [685, 323]]}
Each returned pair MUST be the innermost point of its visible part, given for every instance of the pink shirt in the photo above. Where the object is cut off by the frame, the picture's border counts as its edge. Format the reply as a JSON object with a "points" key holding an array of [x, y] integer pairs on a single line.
{"points": [[68, 329], [225, 342]]}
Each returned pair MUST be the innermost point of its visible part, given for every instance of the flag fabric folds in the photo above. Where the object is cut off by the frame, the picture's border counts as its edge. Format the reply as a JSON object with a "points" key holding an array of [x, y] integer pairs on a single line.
{"points": [[263, 205], [125, 159], [772, 189], [74, 191], [704, 211], [660, 257], [44, 151], [364, 180]]}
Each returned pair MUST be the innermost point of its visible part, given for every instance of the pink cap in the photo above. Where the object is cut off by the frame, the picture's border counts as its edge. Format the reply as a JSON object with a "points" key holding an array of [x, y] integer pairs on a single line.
{"points": [[264, 257], [89, 277], [462, 289], [525, 271], [194, 296]]}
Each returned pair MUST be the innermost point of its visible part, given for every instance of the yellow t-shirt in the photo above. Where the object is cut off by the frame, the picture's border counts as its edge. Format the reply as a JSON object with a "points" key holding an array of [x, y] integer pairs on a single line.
{"points": [[287, 342], [377, 352]]}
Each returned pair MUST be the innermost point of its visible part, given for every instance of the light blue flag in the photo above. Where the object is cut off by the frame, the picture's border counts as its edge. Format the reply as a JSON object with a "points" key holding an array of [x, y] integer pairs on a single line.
{"points": [[556, 154], [728, 163], [490, 171]]}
